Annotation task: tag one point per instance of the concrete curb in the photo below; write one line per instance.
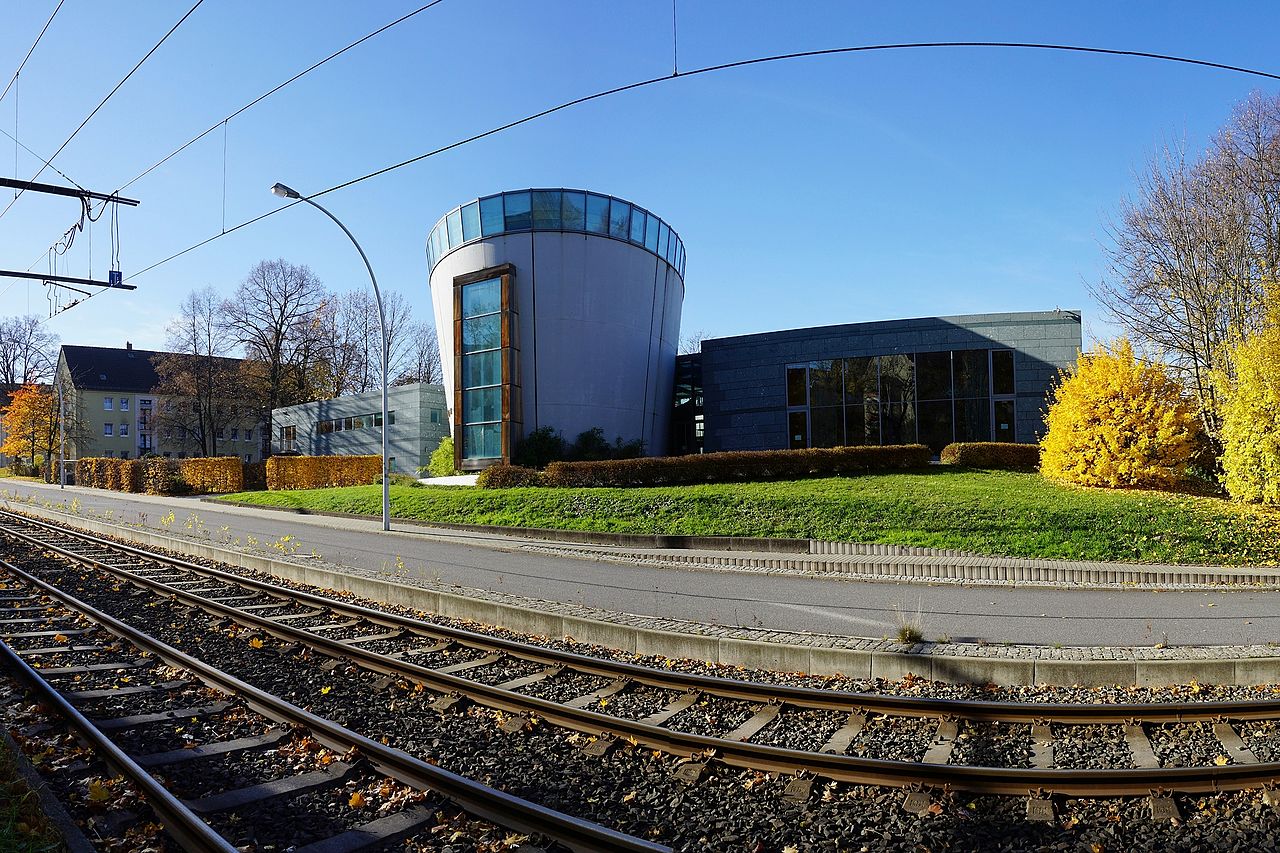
(822, 657)
(73, 838)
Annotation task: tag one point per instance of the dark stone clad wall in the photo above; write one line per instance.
(744, 378)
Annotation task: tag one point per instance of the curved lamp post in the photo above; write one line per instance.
(285, 192)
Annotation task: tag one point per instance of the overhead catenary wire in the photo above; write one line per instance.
(711, 69)
(108, 97)
(223, 122)
(23, 63)
(303, 73)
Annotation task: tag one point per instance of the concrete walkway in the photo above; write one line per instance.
(661, 588)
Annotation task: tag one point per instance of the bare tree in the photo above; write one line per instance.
(1193, 254)
(28, 351)
(198, 378)
(277, 315)
(421, 362)
(692, 342)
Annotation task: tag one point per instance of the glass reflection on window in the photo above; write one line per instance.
(637, 225)
(517, 211)
(546, 209)
(597, 214)
(619, 219)
(573, 212)
(491, 215)
(471, 221)
(1002, 371)
(454, 221)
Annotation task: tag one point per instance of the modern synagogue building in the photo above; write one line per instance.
(556, 308)
(561, 308)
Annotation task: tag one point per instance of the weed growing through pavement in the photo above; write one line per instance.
(910, 626)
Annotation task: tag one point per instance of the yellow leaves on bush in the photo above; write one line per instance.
(120, 475)
(213, 475)
(321, 472)
(1117, 421)
(1251, 419)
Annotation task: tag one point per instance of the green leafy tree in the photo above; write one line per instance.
(441, 462)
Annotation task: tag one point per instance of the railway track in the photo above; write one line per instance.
(614, 702)
(66, 625)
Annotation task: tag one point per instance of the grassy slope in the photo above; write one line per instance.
(23, 826)
(986, 512)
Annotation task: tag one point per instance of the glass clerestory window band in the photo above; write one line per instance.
(933, 398)
(555, 210)
(484, 368)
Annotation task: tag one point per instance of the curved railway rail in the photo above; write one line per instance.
(388, 643)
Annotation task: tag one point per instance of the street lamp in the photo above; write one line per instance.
(285, 192)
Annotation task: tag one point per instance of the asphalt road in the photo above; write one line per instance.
(843, 606)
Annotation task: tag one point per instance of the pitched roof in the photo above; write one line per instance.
(113, 368)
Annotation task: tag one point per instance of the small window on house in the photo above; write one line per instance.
(109, 454)
(108, 429)
(124, 404)
(248, 434)
(167, 454)
(124, 429)
(235, 433)
(435, 416)
(108, 403)
(124, 454)
(182, 456)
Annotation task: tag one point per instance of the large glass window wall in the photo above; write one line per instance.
(555, 210)
(933, 398)
(482, 370)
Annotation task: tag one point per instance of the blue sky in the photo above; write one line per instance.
(827, 190)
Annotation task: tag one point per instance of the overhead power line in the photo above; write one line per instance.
(303, 73)
(710, 69)
(23, 63)
(101, 103)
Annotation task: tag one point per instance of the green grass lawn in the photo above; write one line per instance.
(986, 512)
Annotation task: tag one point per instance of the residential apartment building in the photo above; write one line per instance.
(115, 412)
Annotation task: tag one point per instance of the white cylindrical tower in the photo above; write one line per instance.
(555, 308)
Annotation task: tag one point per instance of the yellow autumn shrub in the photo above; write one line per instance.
(1118, 421)
(1251, 419)
(319, 472)
(213, 475)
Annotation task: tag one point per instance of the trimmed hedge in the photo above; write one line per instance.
(736, 466)
(998, 455)
(508, 477)
(120, 475)
(161, 476)
(321, 472)
(213, 475)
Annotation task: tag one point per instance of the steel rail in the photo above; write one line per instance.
(845, 768)
(488, 803)
(980, 710)
(184, 825)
